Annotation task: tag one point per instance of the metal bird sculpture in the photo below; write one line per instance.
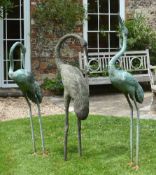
(75, 87)
(30, 88)
(129, 86)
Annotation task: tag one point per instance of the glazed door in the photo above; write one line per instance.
(15, 26)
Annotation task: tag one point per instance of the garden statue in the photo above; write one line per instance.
(30, 88)
(75, 87)
(128, 85)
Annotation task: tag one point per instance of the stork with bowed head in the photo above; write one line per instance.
(29, 87)
(132, 90)
(75, 87)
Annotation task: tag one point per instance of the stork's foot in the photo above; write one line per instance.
(34, 153)
(136, 167)
(65, 157)
(45, 153)
(130, 164)
(80, 154)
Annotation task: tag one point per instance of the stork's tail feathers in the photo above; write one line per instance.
(139, 94)
(60, 42)
(35, 94)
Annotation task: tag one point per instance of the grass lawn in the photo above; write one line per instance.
(105, 143)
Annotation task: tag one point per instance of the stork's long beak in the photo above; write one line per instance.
(86, 51)
(122, 26)
(120, 21)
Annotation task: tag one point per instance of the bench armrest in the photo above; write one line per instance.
(152, 74)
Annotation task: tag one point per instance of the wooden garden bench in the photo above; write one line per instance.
(136, 62)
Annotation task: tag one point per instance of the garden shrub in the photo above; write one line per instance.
(141, 36)
(54, 85)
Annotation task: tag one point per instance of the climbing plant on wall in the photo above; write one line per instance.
(58, 16)
(6, 5)
(54, 18)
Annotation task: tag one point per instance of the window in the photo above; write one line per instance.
(14, 27)
(101, 28)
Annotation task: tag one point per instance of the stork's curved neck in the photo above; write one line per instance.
(120, 53)
(11, 53)
(60, 42)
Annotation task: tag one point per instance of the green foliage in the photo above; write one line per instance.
(53, 19)
(104, 73)
(102, 154)
(58, 16)
(6, 4)
(140, 34)
(53, 84)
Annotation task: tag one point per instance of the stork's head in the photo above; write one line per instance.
(123, 28)
(81, 108)
(82, 42)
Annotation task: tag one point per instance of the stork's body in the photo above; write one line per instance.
(75, 88)
(30, 88)
(129, 86)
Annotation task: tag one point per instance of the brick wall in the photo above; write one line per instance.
(42, 58)
(146, 7)
(43, 63)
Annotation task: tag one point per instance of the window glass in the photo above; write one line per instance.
(114, 6)
(13, 29)
(114, 40)
(103, 6)
(93, 22)
(92, 6)
(15, 12)
(92, 40)
(103, 40)
(114, 24)
(104, 22)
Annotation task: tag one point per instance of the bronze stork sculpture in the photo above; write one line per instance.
(30, 88)
(75, 87)
(129, 86)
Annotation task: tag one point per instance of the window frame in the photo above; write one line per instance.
(85, 23)
(26, 39)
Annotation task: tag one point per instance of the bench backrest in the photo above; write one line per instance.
(130, 61)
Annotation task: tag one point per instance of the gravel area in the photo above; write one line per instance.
(108, 104)
(14, 108)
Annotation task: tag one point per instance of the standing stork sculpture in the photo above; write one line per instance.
(30, 88)
(75, 87)
(129, 86)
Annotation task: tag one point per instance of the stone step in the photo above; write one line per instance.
(10, 92)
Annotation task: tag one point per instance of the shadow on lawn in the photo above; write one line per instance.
(71, 149)
(109, 152)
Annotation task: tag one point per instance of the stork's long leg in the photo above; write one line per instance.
(40, 123)
(31, 124)
(137, 134)
(67, 102)
(79, 136)
(131, 128)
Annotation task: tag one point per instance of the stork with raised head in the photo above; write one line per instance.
(130, 87)
(75, 87)
(29, 87)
